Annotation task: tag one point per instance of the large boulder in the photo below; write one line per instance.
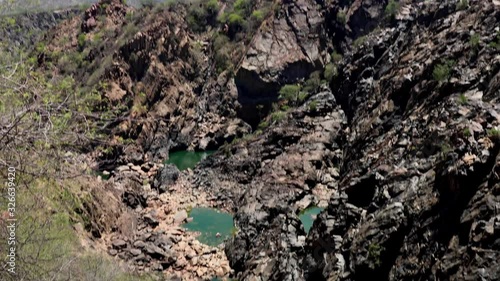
(285, 50)
(165, 177)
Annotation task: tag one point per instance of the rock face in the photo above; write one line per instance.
(405, 154)
(419, 183)
(13, 28)
(147, 59)
(402, 146)
(285, 50)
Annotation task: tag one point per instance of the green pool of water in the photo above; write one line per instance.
(187, 159)
(208, 222)
(308, 216)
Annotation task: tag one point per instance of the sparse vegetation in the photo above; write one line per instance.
(442, 72)
(341, 17)
(374, 256)
(496, 42)
(336, 57)
(81, 41)
(474, 41)
(462, 5)
(462, 99)
(202, 14)
(392, 8)
(290, 93)
(313, 106)
(330, 72)
(277, 116)
(311, 85)
(262, 125)
(467, 132)
(359, 41)
(494, 133)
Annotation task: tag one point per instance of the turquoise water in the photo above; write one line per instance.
(209, 222)
(187, 159)
(308, 216)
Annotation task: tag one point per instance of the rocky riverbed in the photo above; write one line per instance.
(151, 236)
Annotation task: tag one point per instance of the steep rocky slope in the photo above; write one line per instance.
(401, 146)
(418, 193)
(407, 143)
(24, 30)
(156, 77)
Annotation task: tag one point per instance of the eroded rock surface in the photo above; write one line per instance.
(401, 147)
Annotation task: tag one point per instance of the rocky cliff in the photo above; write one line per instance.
(22, 31)
(399, 143)
(403, 146)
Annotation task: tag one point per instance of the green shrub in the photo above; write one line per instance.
(10, 21)
(277, 116)
(129, 16)
(258, 15)
(336, 57)
(442, 72)
(496, 42)
(359, 41)
(236, 20)
(289, 92)
(445, 149)
(234, 231)
(222, 60)
(201, 16)
(81, 41)
(40, 47)
(243, 7)
(313, 105)
(330, 72)
(462, 5)
(467, 132)
(302, 97)
(212, 7)
(374, 255)
(462, 99)
(341, 17)
(392, 8)
(147, 3)
(262, 125)
(313, 83)
(494, 133)
(67, 65)
(474, 41)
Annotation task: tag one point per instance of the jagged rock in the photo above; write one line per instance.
(285, 50)
(151, 220)
(119, 244)
(180, 216)
(166, 177)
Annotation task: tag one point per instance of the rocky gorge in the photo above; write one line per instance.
(393, 129)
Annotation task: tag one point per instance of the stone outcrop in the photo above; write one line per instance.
(409, 156)
(25, 30)
(285, 50)
(421, 156)
(401, 147)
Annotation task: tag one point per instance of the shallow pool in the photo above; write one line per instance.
(308, 216)
(208, 222)
(187, 159)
